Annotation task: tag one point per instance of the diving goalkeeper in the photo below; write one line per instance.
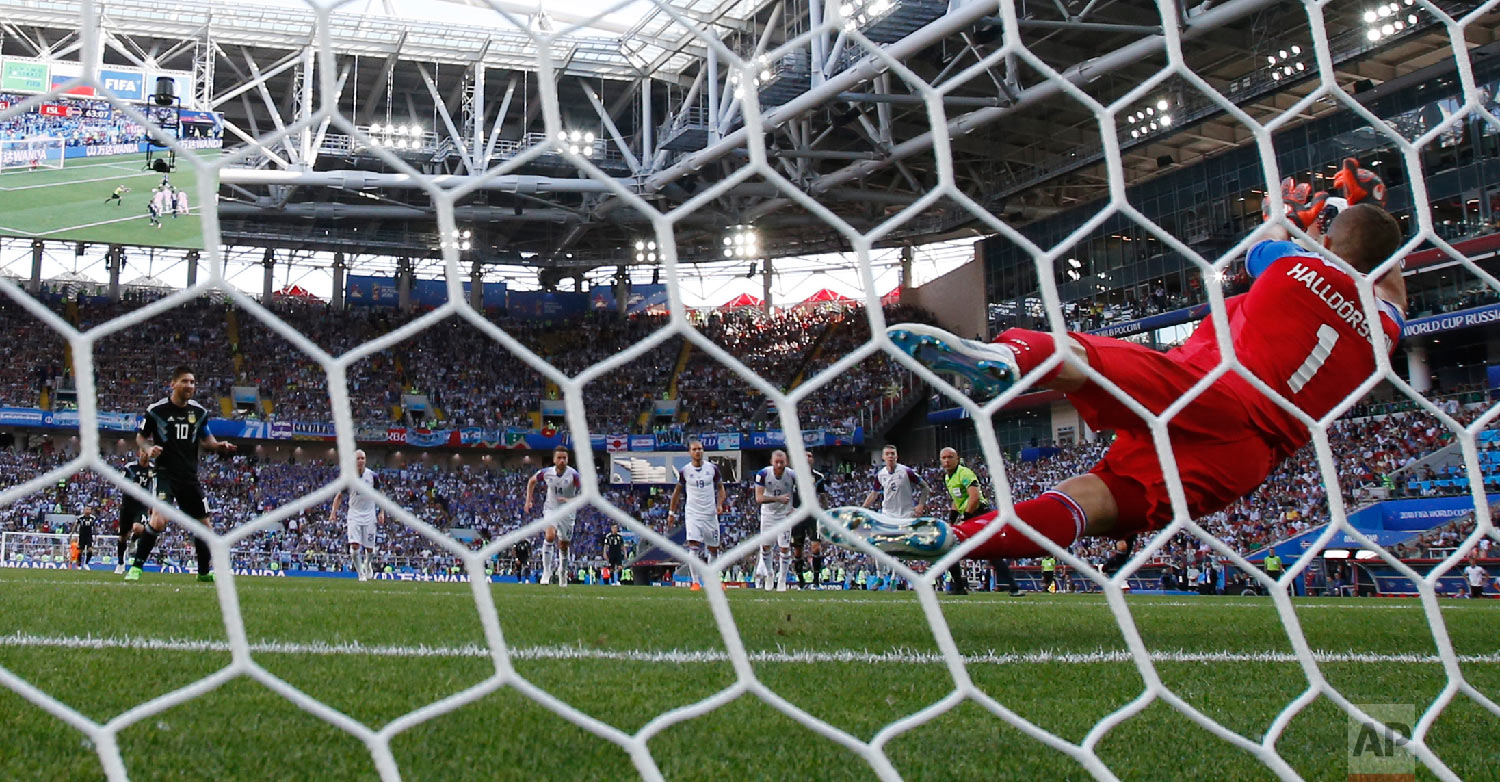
(1300, 329)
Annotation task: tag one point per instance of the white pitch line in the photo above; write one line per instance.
(741, 596)
(75, 182)
(101, 222)
(677, 656)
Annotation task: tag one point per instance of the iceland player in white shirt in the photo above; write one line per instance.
(775, 487)
(362, 518)
(703, 485)
(563, 483)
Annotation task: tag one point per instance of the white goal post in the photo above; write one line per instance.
(28, 154)
(49, 549)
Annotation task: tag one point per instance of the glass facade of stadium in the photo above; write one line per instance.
(1120, 273)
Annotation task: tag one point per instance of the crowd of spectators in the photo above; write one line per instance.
(1440, 541)
(477, 505)
(91, 122)
(1424, 303)
(470, 506)
(32, 354)
(871, 389)
(714, 396)
(789, 349)
(131, 365)
(468, 378)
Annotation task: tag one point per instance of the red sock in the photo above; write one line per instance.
(1054, 515)
(1031, 349)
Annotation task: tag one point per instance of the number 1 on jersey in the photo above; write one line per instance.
(1328, 336)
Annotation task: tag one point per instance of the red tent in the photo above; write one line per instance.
(297, 292)
(894, 297)
(826, 296)
(740, 302)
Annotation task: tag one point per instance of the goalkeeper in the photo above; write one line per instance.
(115, 198)
(1301, 330)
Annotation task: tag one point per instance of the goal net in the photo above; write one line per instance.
(860, 56)
(50, 550)
(30, 154)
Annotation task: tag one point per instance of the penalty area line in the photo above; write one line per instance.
(682, 656)
(68, 182)
(103, 222)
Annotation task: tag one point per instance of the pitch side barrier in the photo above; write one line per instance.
(461, 437)
(1388, 582)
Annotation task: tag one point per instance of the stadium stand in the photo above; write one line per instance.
(468, 377)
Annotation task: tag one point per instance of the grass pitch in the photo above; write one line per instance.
(624, 655)
(69, 203)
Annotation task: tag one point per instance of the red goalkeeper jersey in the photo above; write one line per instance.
(1303, 331)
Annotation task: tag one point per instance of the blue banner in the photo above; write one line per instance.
(672, 440)
(1452, 321)
(642, 298)
(368, 291)
(304, 430)
(423, 438)
(1389, 581)
(1387, 523)
(20, 416)
(1153, 322)
(544, 305)
(399, 574)
(720, 441)
(429, 293)
(774, 439)
(203, 118)
(1432, 324)
(666, 439)
(243, 430)
(124, 84)
(105, 150)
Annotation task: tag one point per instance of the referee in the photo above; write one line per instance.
(968, 502)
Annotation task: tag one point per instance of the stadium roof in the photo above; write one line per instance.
(849, 134)
(621, 40)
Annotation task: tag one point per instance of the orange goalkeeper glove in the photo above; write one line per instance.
(1357, 184)
(1303, 207)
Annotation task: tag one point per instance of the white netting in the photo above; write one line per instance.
(27, 154)
(869, 62)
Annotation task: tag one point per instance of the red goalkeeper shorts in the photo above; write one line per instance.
(1220, 455)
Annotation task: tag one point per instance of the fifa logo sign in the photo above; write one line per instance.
(1379, 752)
